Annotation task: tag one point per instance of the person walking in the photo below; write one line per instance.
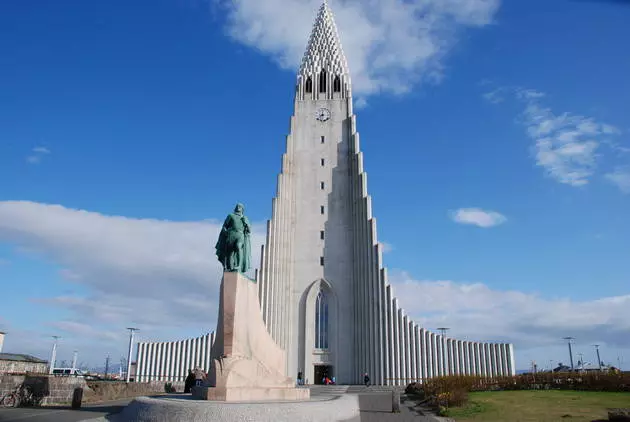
(366, 379)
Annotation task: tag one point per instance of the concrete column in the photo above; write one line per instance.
(478, 359)
(497, 352)
(396, 342)
(384, 327)
(466, 358)
(139, 362)
(401, 347)
(150, 356)
(429, 354)
(449, 355)
(405, 341)
(175, 361)
(434, 356)
(413, 375)
(493, 361)
(185, 356)
(208, 352)
(202, 352)
(392, 336)
(456, 370)
(168, 373)
(198, 358)
(482, 360)
(505, 360)
(375, 357)
(423, 353)
(471, 356)
(440, 355)
(418, 352)
(511, 365)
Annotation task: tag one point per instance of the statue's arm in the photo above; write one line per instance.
(246, 227)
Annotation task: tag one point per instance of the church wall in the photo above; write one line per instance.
(170, 361)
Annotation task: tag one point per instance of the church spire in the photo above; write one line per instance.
(324, 69)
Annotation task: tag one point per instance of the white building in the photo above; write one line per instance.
(323, 290)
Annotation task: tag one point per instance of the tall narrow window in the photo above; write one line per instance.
(321, 261)
(321, 209)
(321, 185)
(321, 235)
(337, 84)
(321, 321)
(323, 139)
(309, 84)
(323, 162)
(322, 81)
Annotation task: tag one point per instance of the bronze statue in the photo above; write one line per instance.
(233, 247)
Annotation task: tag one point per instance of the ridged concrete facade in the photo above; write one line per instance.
(170, 361)
(322, 248)
(322, 236)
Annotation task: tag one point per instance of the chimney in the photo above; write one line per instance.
(2, 333)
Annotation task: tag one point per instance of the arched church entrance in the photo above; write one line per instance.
(320, 332)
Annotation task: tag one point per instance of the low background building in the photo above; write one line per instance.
(11, 363)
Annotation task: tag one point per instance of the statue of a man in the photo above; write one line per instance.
(233, 246)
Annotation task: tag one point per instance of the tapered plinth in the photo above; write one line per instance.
(247, 364)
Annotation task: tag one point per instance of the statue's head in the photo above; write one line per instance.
(239, 208)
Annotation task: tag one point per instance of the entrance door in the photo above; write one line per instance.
(321, 372)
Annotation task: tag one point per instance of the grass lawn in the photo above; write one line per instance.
(539, 406)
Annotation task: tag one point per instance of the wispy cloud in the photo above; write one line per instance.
(386, 247)
(391, 45)
(477, 217)
(37, 154)
(621, 178)
(566, 145)
(478, 312)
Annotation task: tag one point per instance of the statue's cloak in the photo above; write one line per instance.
(234, 228)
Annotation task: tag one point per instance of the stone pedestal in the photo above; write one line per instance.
(247, 364)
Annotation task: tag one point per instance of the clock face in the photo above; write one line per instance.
(322, 114)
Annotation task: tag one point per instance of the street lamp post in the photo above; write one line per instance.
(53, 355)
(445, 365)
(569, 339)
(131, 331)
(599, 360)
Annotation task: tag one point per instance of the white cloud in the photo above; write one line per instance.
(496, 96)
(477, 312)
(565, 145)
(621, 178)
(386, 247)
(37, 155)
(41, 150)
(478, 217)
(160, 275)
(390, 44)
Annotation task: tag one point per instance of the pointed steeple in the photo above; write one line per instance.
(324, 55)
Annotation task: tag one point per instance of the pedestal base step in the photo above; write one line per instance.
(249, 394)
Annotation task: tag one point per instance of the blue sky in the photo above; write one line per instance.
(117, 118)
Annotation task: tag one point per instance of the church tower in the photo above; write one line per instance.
(307, 272)
(323, 290)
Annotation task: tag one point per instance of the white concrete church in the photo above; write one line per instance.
(323, 290)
